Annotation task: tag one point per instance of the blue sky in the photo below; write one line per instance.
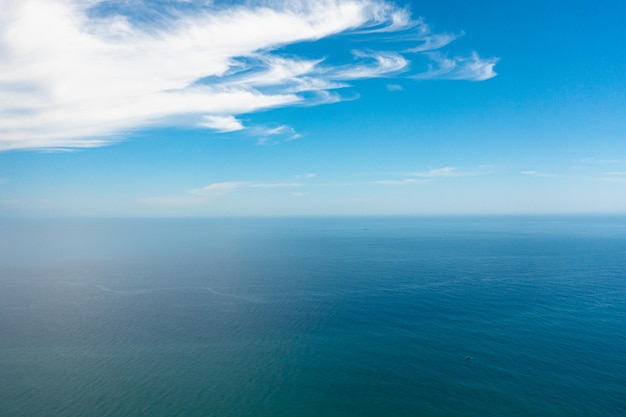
(362, 107)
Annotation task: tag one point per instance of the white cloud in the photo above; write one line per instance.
(271, 135)
(440, 172)
(221, 123)
(450, 172)
(615, 176)
(171, 201)
(73, 76)
(275, 185)
(399, 182)
(437, 172)
(599, 161)
(421, 177)
(471, 68)
(3, 180)
(394, 87)
(621, 180)
(374, 65)
(532, 173)
(433, 42)
(219, 188)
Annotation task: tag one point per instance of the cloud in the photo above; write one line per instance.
(615, 176)
(308, 176)
(220, 188)
(614, 179)
(422, 177)
(399, 182)
(394, 87)
(437, 172)
(275, 185)
(221, 123)
(170, 201)
(373, 65)
(446, 172)
(272, 135)
(85, 73)
(532, 173)
(3, 180)
(433, 42)
(599, 161)
(471, 68)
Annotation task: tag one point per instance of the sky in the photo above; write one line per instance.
(172, 108)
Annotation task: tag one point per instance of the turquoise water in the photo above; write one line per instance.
(313, 317)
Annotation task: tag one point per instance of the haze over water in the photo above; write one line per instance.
(504, 316)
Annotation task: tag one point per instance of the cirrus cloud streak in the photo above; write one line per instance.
(73, 76)
(220, 188)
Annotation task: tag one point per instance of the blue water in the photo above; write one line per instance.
(313, 317)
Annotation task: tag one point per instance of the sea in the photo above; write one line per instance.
(313, 317)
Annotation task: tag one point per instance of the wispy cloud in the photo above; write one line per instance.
(221, 123)
(472, 68)
(3, 180)
(308, 176)
(171, 201)
(220, 188)
(84, 73)
(431, 42)
(621, 180)
(272, 135)
(614, 176)
(599, 161)
(532, 173)
(437, 172)
(275, 185)
(373, 65)
(446, 172)
(405, 181)
(422, 177)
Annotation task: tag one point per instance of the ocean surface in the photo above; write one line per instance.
(380, 317)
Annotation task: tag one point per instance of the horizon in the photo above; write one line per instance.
(436, 216)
